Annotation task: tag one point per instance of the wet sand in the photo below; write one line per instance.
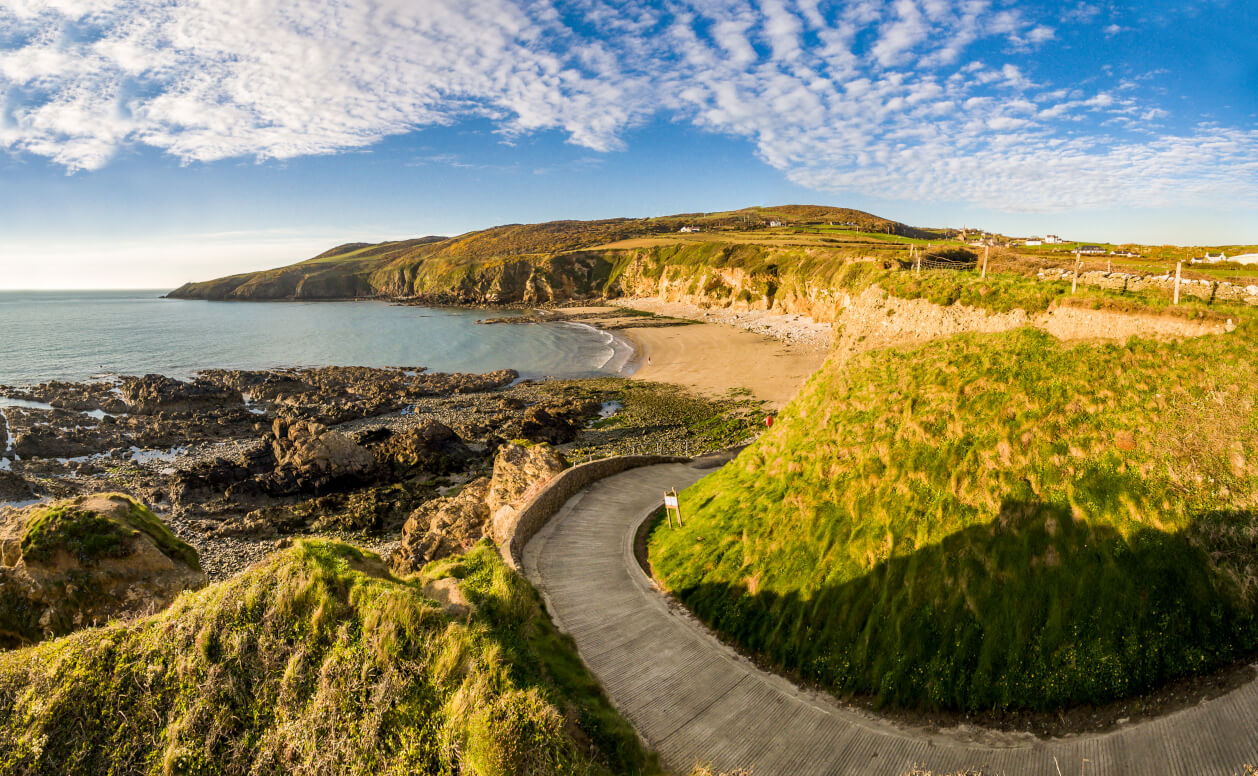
(714, 359)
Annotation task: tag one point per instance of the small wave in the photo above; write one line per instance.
(615, 349)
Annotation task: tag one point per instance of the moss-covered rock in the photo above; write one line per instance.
(86, 560)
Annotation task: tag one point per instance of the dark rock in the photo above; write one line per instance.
(373, 436)
(556, 423)
(431, 447)
(14, 488)
(207, 479)
(151, 394)
(46, 441)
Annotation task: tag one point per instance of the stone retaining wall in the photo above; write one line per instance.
(538, 511)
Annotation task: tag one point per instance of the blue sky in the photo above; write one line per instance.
(149, 142)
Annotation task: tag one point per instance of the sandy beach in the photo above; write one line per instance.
(715, 358)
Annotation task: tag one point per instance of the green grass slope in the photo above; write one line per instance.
(991, 521)
(317, 661)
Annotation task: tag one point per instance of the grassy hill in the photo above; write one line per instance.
(318, 661)
(502, 260)
(991, 521)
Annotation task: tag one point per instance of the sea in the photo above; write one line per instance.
(82, 335)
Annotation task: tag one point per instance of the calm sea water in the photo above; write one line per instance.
(75, 335)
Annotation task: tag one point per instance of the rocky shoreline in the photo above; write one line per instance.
(238, 462)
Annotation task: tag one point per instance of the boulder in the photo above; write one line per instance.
(207, 479)
(487, 506)
(265, 523)
(313, 451)
(14, 488)
(520, 472)
(556, 424)
(84, 561)
(444, 526)
(431, 447)
(49, 441)
(151, 394)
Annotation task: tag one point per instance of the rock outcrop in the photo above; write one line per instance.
(313, 451)
(443, 526)
(487, 506)
(14, 488)
(83, 561)
(337, 394)
(151, 394)
(520, 471)
(431, 447)
(556, 423)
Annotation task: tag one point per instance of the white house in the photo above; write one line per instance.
(688, 229)
(775, 223)
(1034, 241)
(1090, 250)
(1053, 239)
(1213, 257)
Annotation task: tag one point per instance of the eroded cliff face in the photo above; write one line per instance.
(533, 280)
(710, 274)
(766, 286)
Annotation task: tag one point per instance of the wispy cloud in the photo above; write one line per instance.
(889, 99)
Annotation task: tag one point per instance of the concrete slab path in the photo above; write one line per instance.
(695, 700)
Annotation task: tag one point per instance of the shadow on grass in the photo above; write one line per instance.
(1032, 611)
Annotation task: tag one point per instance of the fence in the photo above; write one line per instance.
(1177, 282)
(928, 259)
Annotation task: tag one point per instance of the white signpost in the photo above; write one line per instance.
(671, 504)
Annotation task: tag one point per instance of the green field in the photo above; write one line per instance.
(991, 522)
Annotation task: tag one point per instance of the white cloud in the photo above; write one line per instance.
(1040, 34)
(881, 98)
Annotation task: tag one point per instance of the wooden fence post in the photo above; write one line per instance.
(1074, 282)
(987, 250)
(1179, 266)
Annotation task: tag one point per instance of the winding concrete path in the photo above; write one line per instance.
(696, 701)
